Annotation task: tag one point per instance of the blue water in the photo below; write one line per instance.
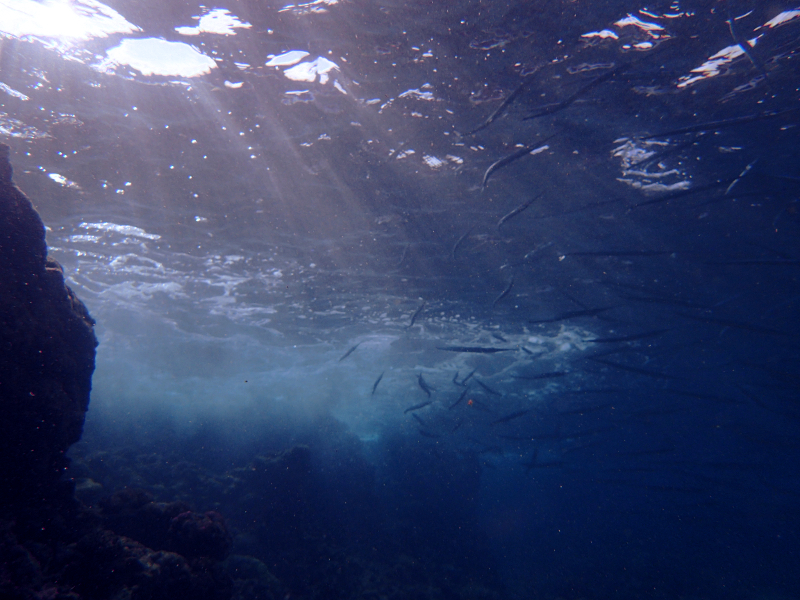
(281, 183)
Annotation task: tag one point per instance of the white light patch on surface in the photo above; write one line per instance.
(636, 22)
(633, 155)
(92, 239)
(12, 92)
(601, 34)
(432, 161)
(287, 59)
(17, 129)
(645, 174)
(308, 71)
(677, 15)
(784, 17)
(712, 67)
(61, 180)
(152, 56)
(657, 188)
(123, 229)
(218, 20)
(419, 94)
(77, 20)
(317, 6)
(129, 290)
(630, 153)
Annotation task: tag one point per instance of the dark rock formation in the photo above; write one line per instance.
(50, 545)
(105, 565)
(194, 535)
(168, 526)
(47, 350)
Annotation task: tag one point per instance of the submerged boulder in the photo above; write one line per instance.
(47, 353)
(169, 526)
(105, 565)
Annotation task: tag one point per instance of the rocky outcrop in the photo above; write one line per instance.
(105, 565)
(50, 545)
(170, 526)
(47, 352)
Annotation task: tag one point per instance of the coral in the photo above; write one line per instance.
(252, 579)
(195, 535)
(167, 526)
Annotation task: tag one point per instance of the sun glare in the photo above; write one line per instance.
(64, 20)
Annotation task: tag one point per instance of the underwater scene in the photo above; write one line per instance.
(399, 299)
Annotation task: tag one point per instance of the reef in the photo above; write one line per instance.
(316, 519)
(51, 544)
